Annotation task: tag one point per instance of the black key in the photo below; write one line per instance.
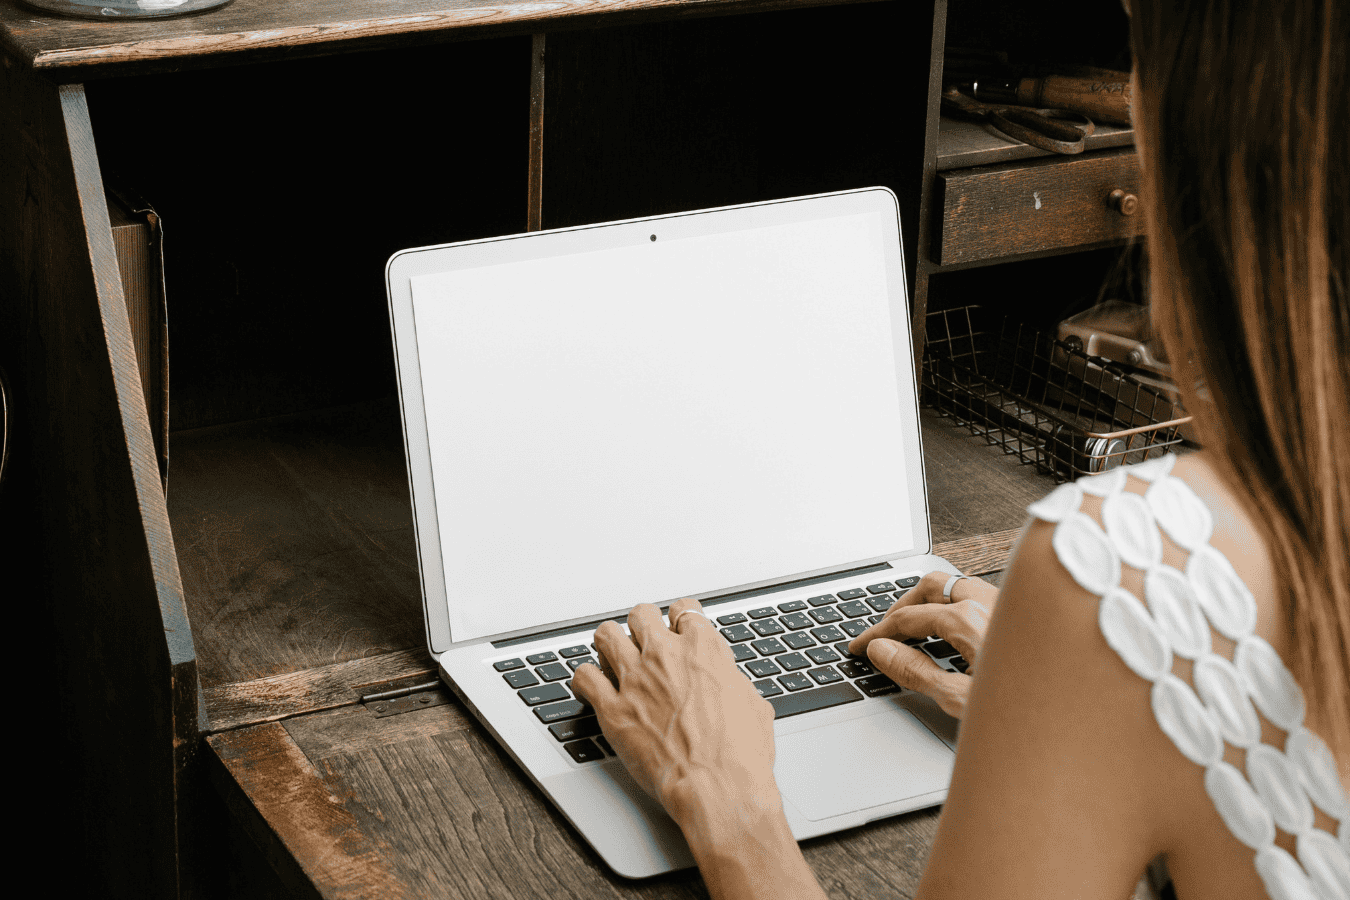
(821, 698)
(960, 665)
(856, 668)
(767, 627)
(521, 679)
(796, 621)
(762, 668)
(737, 633)
(768, 688)
(939, 649)
(742, 653)
(822, 655)
(852, 594)
(768, 646)
(877, 685)
(854, 628)
(578, 650)
(822, 600)
(825, 675)
(828, 634)
(731, 619)
(853, 609)
(553, 671)
(872, 620)
(842, 650)
(826, 614)
(574, 729)
(575, 664)
(792, 606)
(762, 612)
(794, 682)
(545, 693)
(798, 640)
(793, 661)
(914, 642)
(907, 582)
(884, 588)
(584, 751)
(507, 665)
(604, 745)
(882, 603)
(540, 658)
(556, 712)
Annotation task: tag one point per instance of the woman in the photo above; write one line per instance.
(1169, 729)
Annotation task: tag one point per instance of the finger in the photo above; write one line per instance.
(616, 648)
(591, 685)
(645, 624)
(912, 669)
(928, 590)
(960, 624)
(690, 621)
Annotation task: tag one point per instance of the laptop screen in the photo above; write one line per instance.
(673, 416)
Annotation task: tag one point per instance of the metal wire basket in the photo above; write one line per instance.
(1054, 407)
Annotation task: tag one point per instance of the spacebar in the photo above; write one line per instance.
(820, 698)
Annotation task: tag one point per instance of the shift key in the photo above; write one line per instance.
(809, 701)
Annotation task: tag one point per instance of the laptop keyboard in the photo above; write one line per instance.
(795, 653)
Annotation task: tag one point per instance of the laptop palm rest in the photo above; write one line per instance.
(904, 759)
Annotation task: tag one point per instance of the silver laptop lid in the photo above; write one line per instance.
(638, 411)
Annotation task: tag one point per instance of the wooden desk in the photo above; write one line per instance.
(264, 125)
(426, 804)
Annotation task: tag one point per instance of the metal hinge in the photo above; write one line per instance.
(405, 698)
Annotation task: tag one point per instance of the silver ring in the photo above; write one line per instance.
(675, 622)
(947, 588)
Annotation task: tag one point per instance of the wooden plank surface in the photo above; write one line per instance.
(296, 542)
(249, 30)
(314, 841)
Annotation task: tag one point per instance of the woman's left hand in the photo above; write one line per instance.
(691, 728)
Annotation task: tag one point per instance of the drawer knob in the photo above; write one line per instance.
(1122, 202)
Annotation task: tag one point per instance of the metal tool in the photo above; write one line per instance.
(1043, 128)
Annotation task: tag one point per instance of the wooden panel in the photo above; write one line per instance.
(314, 842)
(85, 504)
(252, 30)
(322, 687)
(1028, 207)
(296, 542)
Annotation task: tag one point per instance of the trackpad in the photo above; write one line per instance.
(861, 763)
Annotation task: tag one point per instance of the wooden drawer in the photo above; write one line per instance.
(1035, 205)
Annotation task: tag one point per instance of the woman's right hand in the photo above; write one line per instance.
(961, 620)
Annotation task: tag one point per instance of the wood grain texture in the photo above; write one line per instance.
(296, 542)
(974, 488)
(1026, 207)
(459, 819)
(314, 842)
(279, 697)
(117, 639)
(983, 554)
(534, 214)
(252, 30)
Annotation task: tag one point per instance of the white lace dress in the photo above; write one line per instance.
(1220, 705)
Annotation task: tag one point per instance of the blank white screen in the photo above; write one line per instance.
(653, 421)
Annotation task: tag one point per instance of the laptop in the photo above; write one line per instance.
(717, 404)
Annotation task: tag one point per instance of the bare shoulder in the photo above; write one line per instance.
(1061, 737)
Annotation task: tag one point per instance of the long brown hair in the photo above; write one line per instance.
(1241, 113)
